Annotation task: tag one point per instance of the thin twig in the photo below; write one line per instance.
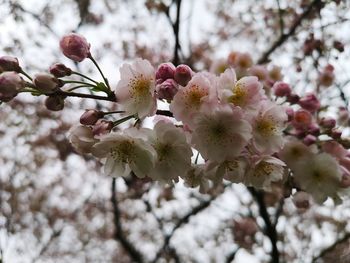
(332, 247)
(118, 233)
(203, 205)
(270, 228)
(284, 37)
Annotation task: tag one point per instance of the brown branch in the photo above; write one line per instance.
(118, 233)
(35, 16)
(284, 37)
(332, 247)
(202, 206)
(270, 228)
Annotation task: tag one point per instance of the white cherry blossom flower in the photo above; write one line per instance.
(245, 93)
(220, 133)
(135, 90)
(126, 152)
(173, 152)
(319, 175)
(263, 170)
(188, 100)
(82, 138)
(268, 128)
(197, 176)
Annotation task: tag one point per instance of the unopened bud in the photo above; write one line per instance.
(244, 60)
(328, 123)
(90, 117)
(167, 89)
(302, 119)
(10, 84)
(75, 47)
(338, 46)
(290, 113)
(310, 103)
(313, 129)
(293, 98)
(54, 103)
(46, 83)
(309, 139)
(345, 181)
(183, 74)
(281, 89)
(8, 63)
(102, 127)
(275, 73)
(59, 70)
(301, 200)
(165, 71)
(336, 134)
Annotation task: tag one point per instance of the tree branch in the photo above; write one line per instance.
(270, 228)
(284, 37)
(118, 233)
(332, 247)
(203, 205)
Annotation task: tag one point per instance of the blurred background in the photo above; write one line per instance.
(58, 206)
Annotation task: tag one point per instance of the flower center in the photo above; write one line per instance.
(123, 151)
(194, 96)
(263, 169)
(163, 150)
(239, 95)
(140, 86)
(266, 127)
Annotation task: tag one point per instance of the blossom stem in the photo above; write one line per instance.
(84, 76)
(123, 120)
(112, 112)
(25, 74)
(99, 69)
(79, 82)
(77, 87)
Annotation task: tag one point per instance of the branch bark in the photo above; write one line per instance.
(118, 233)
(284, 37)
(270, 228)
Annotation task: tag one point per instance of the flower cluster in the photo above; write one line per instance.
(240, 123)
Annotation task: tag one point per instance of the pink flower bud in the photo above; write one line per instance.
(313, 129)
(326, 78)
(302, 119)
(275, 73)
(167, 89)
(165, 71)
(10, 84)
(310, 103)
(75, 47)
(309, 139)
(183, 74)
(282, 89)
(328, 123)
(336, 134)
(46, 83)
(244, 60)
(90, 117)
(345, 181)
(54, 103)
(290, 113)
(8, 63)
(102, 127)
(301, 200)
(59, 70)
(293, 98)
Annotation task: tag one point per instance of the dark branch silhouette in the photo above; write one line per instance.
(284, 37)
(118, 233)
